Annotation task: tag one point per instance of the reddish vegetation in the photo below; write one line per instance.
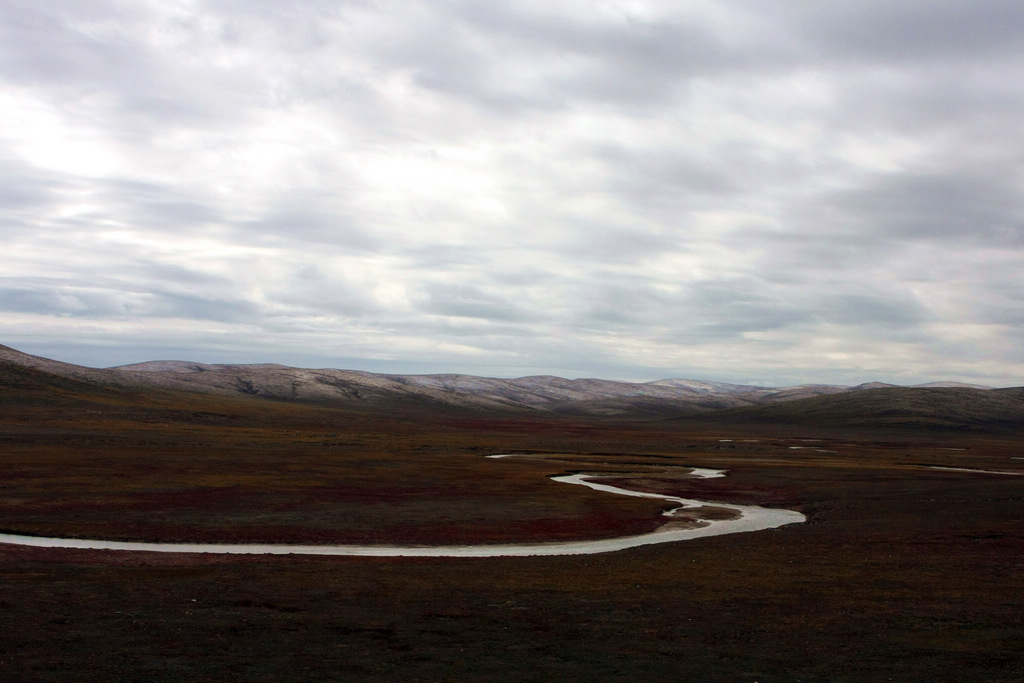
(900, 573)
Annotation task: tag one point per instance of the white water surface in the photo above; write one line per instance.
(967, 469)
(750, 518)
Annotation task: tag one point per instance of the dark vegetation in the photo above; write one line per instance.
(948, 409)
(901, 572)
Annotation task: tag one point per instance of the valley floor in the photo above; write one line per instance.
(901, 572)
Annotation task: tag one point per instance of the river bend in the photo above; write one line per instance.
(747, 518)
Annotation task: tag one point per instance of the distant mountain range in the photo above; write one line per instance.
(548, 394)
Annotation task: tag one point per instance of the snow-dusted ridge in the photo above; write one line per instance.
(543, 393)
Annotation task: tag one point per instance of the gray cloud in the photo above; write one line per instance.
(948, 206)
(894, 33)
(812, 191)
(97, 303)
(94, 60)
(466, 301)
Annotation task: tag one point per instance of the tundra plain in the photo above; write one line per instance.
(901, 571)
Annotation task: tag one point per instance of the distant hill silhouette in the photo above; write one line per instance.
(939, 405)
(931, 408)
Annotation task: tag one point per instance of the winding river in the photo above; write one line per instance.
(745, 518)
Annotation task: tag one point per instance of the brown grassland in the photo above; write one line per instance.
(900, 573)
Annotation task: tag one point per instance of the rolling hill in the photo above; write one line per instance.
(936, 405)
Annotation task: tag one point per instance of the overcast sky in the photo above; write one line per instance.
(772, 193)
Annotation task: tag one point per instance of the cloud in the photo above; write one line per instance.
(813, 191)
(916, 31)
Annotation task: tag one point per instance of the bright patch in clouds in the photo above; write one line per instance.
(801, 192)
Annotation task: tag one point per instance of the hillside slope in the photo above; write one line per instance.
(949, 405)
(944, 408)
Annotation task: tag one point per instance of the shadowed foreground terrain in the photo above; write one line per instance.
(901, 572)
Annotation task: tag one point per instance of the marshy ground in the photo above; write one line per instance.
(900, 573)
